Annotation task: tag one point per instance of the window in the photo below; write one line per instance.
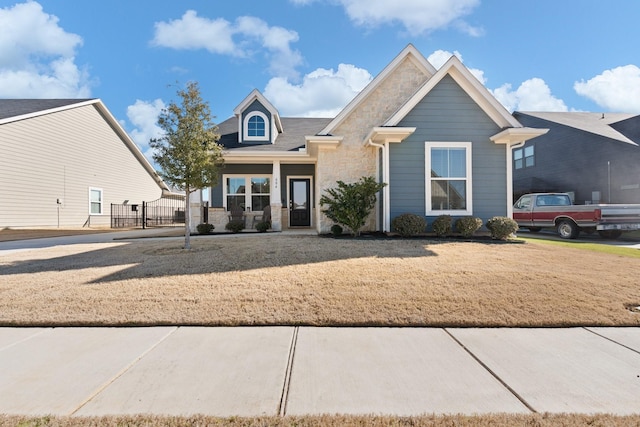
(256, 127)
(95, 201)
(448, 181)
(524, 157)
(254, 196)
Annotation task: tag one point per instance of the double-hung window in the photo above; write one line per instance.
(249, 192)
(524, 157)
(448, 178)
(95, 201)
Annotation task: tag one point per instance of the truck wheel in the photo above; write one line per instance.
(568, 229)
(610, 234)
(535, 229)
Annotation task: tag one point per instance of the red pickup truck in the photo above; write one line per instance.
(554, 210)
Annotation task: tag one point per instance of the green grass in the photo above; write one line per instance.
(594, 247)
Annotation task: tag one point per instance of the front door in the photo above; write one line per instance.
(300, 202)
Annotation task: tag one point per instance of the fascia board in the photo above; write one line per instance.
(469, 84)
(48, 111)
(115, 125)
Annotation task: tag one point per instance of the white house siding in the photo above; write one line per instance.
(60, 156)
(352, 160)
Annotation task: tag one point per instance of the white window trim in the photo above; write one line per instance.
(247, 194)
(469, 179)
(245, 127)
(101, 200)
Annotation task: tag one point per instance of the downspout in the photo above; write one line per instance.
(510, 148)
(386, 211)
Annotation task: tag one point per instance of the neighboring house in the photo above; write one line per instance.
(64, 161)
(594, 156)
(439, 139)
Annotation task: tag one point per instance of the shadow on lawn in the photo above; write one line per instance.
(154, 258)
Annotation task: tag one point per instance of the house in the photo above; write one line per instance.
(593, 156)
(64, 161)
(438, 138)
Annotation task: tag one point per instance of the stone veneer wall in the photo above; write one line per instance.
(352, 160)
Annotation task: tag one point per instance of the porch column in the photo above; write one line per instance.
(276, 197)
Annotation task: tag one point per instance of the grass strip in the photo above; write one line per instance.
(594, 247)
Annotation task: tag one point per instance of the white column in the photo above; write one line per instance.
(276, 197)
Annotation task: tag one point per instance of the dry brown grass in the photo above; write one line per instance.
(498, 420)
(278, 279)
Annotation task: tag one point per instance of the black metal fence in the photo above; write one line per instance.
(157, 213)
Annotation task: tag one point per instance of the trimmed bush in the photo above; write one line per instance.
(336, 230)
(408, 224)
(442, 225)
(501, 227)
(468, 225)
(205, 228)
(235, 226)
(263, 226)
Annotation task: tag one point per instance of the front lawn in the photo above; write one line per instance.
(279, 279)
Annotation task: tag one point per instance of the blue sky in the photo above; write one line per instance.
(310, 57)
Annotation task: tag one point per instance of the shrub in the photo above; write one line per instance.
(468, 225)
(409, 224)
(263, 226)
(205, 228)
(442, 225)
(350, 204)
(235, 226)
(501, 227)
(336, 230)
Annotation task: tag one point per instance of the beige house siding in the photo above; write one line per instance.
(352, 160)
(60, 156)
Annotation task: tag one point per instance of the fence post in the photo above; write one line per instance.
(144, 214)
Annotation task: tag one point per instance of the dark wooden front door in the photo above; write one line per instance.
(300, 202)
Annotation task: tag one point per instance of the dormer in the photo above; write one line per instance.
(258, 120)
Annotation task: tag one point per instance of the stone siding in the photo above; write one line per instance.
(352, 160)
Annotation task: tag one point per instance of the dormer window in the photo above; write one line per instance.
(256, 127)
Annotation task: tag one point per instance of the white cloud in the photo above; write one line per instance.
(144, 116)
(617, 89)
(322, 93)
(239, 39)
(37, 57)
(440, 57)
(417, 16)
(531, 95)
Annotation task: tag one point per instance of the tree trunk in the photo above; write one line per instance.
(187, 220)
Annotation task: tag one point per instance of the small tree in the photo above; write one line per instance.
(350, 204)
(188, 153)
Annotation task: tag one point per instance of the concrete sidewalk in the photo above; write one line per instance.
(290, 371)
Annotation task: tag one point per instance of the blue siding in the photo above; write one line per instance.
(447, 113)
(256, 106)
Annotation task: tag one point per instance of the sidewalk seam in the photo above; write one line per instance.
(284, 397)
(121, 372)
(488, 369)
(30, 337)
(611, 340)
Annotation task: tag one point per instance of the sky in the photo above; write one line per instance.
(311, 57)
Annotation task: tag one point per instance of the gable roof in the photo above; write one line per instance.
(468, 82)
(12, 110)
(257, 95)
(409, 52)
(596, 123)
